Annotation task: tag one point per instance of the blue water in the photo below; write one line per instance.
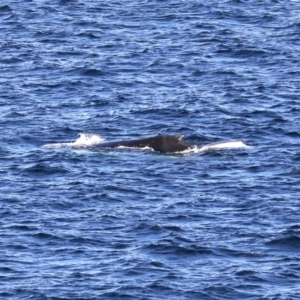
(129, 224)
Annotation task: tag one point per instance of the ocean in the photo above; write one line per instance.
(132, 223)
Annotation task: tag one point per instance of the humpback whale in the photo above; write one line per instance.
(160, 143)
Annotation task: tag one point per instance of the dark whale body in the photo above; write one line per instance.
(160, 143)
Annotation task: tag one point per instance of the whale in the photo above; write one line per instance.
(159, 143)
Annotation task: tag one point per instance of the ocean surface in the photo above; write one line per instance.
(135, 224)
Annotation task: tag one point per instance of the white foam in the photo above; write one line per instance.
(84, 140)
(146, 148)
(225, 145)
(217, 146)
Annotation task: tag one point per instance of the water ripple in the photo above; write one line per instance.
(118, 224)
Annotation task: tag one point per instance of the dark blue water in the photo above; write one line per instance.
(128, 224)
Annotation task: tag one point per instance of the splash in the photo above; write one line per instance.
(225, 145)
(218, 146)
(84, 140)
